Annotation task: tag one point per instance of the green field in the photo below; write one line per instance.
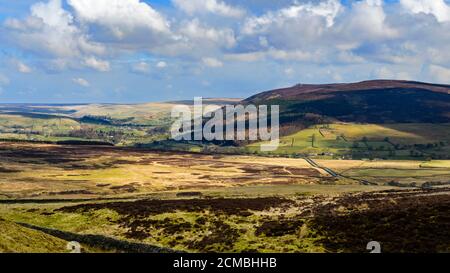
(371, 141)
(18, 239)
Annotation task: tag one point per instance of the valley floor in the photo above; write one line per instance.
(224, 203)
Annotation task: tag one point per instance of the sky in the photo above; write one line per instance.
(135, 51)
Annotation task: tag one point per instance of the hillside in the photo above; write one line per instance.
(378, 101)
(17, 239)
(371, 119)
(120, 124)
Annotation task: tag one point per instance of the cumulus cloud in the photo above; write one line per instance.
(438, 8)
(80, 34)
(298, 30)
(296, 15)
(81, 82)
(50, 30)
(209, 6)
(367, 22)
(99, 65)
(327, 32)
(212, 62)
(196, 39)
(122, 18)
(198, 34)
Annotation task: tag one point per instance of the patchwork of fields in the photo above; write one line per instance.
(368, 141)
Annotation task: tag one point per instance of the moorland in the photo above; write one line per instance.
(357, 163)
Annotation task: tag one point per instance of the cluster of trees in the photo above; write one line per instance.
(88, 132)
(421, 146)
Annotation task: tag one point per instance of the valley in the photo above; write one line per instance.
(350, 169)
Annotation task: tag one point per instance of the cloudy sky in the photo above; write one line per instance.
(67, 51)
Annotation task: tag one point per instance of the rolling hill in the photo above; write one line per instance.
(378, 101)
(370, 119)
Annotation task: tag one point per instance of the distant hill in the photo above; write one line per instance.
(377, 101)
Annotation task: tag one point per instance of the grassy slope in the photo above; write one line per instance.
(18, 239)
(341, 138)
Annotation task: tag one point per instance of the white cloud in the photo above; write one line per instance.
(212, 62)
(50, 30)
(319, 32)
(198, 34)
(208, 6)
(327, 9)
(439, 73)
(304, 28)
(297, 33)
(123, 18)
(296, 15)
(81, 82)
(438, 8)
(366, 22)
(196, 39)
(141, 67)
(22, 67)
(99, 65)
(161, 64)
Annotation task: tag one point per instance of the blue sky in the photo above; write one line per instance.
(68, 51)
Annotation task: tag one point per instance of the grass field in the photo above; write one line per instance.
(15, 238)
(359, 141)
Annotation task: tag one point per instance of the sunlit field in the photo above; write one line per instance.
(204, 203)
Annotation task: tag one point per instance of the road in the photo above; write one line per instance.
(334, 174)
(328, 170)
